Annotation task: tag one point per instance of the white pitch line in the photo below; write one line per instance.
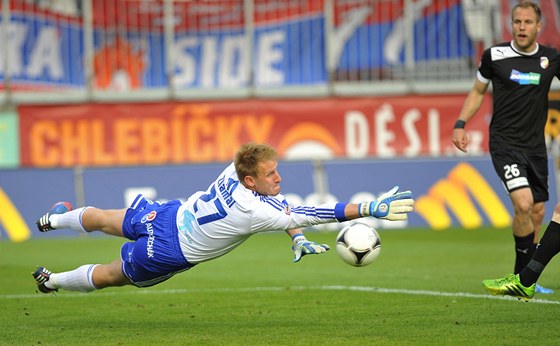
(289, 288)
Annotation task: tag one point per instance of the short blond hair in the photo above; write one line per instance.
(528, 4)
(249, 156)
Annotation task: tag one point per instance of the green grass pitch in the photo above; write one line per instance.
(424, 289)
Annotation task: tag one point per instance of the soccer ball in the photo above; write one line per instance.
(60, 208)
(358, 244)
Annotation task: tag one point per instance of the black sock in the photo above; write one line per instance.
(548, 247)
(523, 249)
(533, 249)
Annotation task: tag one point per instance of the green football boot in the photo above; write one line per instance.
(509, 286)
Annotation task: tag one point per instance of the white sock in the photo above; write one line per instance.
(79, 279)
(71, 220)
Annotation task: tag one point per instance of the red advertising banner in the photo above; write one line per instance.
(180, 132)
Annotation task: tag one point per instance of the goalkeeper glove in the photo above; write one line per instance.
(390, 205)
(302, 247)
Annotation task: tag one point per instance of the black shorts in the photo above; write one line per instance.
(520, 169)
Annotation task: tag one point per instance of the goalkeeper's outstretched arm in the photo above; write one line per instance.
(392, 205)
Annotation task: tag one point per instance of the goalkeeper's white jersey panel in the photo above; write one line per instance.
(216, 221)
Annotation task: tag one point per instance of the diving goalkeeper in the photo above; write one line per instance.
(168, 238)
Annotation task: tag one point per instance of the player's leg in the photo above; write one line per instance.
(524, 285)
(522, 201)
(537, 176)
(556, 213)
(85, 278)
(85, 219)
(108, 221)
(522, 226)
(538, 179)
(110, 275)
(549, 246)
(537, 217)
(513, 169)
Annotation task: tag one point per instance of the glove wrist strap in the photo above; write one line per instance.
(299, 237)
(364, 209)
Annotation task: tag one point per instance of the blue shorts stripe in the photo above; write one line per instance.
(139, 199)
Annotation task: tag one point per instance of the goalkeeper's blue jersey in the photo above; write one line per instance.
(216, 221)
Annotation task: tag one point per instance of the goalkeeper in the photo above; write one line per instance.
(175, 236)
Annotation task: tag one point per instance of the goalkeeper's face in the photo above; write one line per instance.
(267, 181)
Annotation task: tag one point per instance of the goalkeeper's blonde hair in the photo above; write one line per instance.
(249, 156)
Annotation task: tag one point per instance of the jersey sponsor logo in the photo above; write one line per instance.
(525, 78)
(149, 217)
(544, 62)
(151, 240)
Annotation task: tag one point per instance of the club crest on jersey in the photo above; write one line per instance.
(544, 62)
(149, 217)
(287, 209)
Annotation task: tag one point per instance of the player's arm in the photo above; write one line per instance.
(392, 205)
(470, 107)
